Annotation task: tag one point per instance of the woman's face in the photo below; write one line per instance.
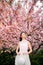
(24, 35)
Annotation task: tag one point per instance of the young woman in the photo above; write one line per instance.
(22, 57)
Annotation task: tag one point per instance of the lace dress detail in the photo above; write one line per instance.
(23, 59)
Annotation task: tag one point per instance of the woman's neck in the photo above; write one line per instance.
(23, 39)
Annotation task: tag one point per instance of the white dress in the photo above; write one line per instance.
(23, 59)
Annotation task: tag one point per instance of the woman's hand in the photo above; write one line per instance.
(19, 53)
(25, 53)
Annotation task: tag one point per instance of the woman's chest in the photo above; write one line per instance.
(24, 45)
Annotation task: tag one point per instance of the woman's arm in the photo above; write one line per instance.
(18, 46)
(30, 48)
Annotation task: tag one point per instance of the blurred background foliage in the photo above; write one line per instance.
(7, 58)
(21, 18)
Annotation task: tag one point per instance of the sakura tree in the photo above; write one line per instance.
(21, 15)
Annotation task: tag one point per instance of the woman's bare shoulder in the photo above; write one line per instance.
(19, 42)
(28, 42)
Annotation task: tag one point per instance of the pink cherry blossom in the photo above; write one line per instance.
(15, 18)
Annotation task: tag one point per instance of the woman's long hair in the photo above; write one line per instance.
(21, 35)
